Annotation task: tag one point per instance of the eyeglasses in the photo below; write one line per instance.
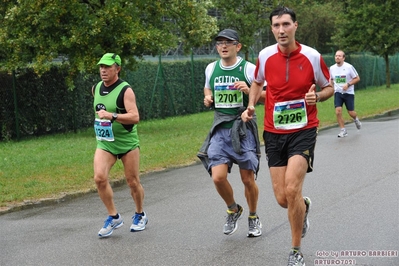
(227, 43)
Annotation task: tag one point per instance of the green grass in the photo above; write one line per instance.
(50, 166)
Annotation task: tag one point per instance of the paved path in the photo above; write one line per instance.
(354, 190)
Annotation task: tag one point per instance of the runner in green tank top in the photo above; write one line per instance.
(227, 98)
(115, 138)
(226, 89)
(115, 125)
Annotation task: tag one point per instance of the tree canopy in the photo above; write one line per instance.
(317, 24)
(372, 26)
(251, 19)
(78, 33)
(248, 18)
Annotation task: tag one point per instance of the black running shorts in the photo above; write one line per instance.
(280, 147)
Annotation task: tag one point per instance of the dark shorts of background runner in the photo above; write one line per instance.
(280, 147)
(344, 98)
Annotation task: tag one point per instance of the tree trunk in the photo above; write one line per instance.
(387, 72)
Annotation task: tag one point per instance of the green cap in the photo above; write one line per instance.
(109, 59)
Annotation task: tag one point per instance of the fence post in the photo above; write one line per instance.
(15, 105)
(252, 55)
(193, 100)
(161, 76)
(159, 70)
(75, 111)
(365, 71)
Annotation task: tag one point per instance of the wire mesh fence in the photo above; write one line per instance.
(164, 86)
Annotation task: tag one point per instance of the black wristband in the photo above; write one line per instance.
(114, 117)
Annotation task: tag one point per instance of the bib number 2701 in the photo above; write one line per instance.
(227, 96)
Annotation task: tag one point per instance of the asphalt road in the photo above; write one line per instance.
(355, 214)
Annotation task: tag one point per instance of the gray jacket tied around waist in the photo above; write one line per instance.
(238, 131)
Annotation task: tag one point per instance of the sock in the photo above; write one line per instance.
(140, 213)
(115, 216)
(252, 215)
(296, 249)
(307, 206)
(233, 207)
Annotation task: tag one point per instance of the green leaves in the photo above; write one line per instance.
(35, 33)
(371, 27)
(249, 18)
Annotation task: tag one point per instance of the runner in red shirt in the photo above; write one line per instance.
(291, 71)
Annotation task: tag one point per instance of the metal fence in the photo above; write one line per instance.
(164, 86)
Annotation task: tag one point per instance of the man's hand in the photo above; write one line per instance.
(208, 100)
(248, 114)
(310, 96)
(242, 86)
(102, 114)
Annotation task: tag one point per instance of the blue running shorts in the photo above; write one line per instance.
(221, 151)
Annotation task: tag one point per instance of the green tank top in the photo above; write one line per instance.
(114, 137)
(226, 98)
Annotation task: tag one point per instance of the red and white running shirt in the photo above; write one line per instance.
(289, 78)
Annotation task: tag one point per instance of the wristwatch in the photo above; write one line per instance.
(114, 117)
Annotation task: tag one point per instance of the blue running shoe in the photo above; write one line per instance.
(109, 225)
(139, 222)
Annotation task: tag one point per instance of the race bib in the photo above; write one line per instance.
(290, 115)
(103, 130)
(340, 79)
(226, 96)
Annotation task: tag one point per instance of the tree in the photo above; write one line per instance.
(248, 18)
(371, 26)
(316, 23)
(251, 19)
(79, 32)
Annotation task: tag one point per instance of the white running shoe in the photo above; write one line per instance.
(343, 133)
(296, 258)
(255, 227)
(231, 221)
(358, 124)
(306, 224)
